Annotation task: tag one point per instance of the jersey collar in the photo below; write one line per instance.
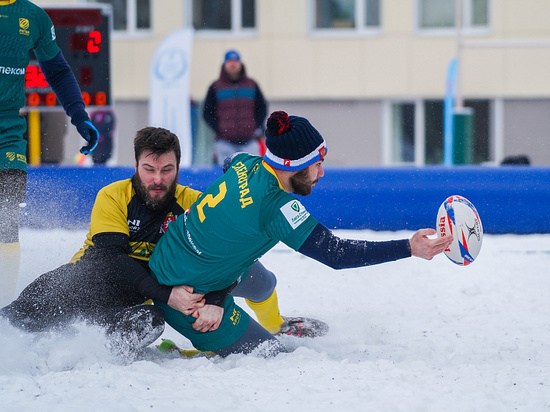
(270, 170)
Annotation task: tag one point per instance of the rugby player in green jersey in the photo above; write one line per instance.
(25, 27)
(245, 213)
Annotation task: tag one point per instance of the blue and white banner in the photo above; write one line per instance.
(170, 97)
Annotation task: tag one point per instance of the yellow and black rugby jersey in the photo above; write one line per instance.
(117, 209)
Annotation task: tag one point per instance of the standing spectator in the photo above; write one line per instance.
(27, 27)
(236, 109)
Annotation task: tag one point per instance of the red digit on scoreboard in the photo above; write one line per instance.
(86, 97)
(34, 77)
(100, 99)
(30, 75)
(33, 100)
(40, 79)
(94, 41)
(51, 99)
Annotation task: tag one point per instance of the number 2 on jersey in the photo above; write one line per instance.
(211, 201)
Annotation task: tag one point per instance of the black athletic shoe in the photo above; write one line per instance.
(136, 328)
(302, 327)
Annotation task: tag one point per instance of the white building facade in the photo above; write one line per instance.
(369, 74)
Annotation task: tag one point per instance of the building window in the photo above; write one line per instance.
(346, 14)
(440, 14)
(416, 132)
(226, 15)
(403, 132)
(129, 16)
(433, 124)
(433, 119)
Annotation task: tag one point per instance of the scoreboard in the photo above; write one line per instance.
(83, 35)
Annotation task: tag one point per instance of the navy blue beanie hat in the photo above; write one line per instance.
(292, 142)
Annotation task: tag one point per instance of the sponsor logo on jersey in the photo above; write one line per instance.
(295, 213)
(235, 317)
(11, 156)
(53, 33)
(189, 237)
(18, 71)
(24, 26)
(133, 225)
(167, 220)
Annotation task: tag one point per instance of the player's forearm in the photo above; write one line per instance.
(150, 288)
(61, 78)
(114, 247)
(323, 246)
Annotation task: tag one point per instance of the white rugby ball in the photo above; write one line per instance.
(457, 216)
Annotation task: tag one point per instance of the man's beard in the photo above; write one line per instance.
(143, 192)
(300, 183)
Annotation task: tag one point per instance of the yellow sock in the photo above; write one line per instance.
(267, 313)
(10, 254)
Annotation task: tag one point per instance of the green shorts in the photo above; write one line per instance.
(234, 323)
(13, 146)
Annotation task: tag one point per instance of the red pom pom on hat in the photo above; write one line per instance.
(278, 123)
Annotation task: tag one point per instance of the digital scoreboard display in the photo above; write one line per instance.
(83, 35)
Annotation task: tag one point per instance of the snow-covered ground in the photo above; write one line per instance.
(404, 336)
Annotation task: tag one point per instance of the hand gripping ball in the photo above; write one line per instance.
(457, 216)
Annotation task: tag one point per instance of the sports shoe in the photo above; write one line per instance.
(302, 327)
(134, 328)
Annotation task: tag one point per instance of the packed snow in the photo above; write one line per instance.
(411, 335)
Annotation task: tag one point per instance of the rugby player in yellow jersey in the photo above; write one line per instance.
(108, 280)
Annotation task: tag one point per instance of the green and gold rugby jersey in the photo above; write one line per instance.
(117, 209)
(23, 26)
(241, 216)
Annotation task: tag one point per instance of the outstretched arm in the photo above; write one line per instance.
(323, 246)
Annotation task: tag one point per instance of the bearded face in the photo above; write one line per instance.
(156, 201)
(302, 183)
(156, 179)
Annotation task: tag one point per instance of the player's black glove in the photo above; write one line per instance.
(88, 131)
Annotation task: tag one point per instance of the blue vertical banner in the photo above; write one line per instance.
(448, 106)
(170, 97)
